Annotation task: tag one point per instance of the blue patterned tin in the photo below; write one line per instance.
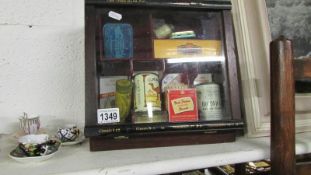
(118, 40)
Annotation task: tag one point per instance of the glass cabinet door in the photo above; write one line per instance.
(162, 65)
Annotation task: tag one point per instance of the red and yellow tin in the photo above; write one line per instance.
(182, 105)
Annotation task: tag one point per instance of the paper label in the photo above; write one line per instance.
(108, 115)
(209, 101)
(182, 105)
(115, 15)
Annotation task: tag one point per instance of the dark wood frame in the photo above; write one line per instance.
(284, 71)
(282, 108)
(217, 132)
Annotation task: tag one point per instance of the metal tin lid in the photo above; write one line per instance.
(203, 79)
(207, 85)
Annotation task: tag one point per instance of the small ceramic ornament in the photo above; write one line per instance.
(68, 134)
(29, 125)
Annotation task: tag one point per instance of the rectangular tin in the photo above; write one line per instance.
(184, 48)
(182, 105)
(118, 40)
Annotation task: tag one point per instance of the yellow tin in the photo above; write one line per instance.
(184, 48)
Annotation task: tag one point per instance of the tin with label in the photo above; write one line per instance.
(147, 92)
(118, 40)
(209, 101)
(182, 105)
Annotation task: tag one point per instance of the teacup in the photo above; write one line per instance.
(68, 133)
(34, 145)
(29, 125)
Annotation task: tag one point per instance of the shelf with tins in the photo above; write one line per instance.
(169, 69)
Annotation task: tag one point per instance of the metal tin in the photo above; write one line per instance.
(182, 105)
(123, 97)
(209, 101)
(147, 92)
(118, 40)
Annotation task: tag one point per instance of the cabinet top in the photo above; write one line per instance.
(208, 4)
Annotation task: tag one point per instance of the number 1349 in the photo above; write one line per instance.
(110, 115)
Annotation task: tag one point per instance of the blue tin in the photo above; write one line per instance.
(118, 40)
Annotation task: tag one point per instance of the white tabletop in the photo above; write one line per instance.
(78, 159)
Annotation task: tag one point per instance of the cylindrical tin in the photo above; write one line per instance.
(209, 101)
(123, 97)
(146, 92)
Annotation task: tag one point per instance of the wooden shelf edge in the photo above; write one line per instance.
(103, 144)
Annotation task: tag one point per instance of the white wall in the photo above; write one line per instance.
(41, 61)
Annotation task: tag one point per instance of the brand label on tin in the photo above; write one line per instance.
(209, 101)
(147, 92)
(182, 105)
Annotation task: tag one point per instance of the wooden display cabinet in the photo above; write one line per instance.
(172, 38)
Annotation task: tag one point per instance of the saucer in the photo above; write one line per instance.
(32, 159)
(20, 156)
(80, 139)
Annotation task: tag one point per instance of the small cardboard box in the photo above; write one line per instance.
(185, 48)
(182, 105)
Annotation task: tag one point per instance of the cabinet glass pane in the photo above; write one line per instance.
(162, 65)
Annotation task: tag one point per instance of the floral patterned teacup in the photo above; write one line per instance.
(68, 133)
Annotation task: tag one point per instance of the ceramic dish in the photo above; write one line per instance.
(80, 139)
(19, 155)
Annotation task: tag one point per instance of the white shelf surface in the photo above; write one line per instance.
(78, 160)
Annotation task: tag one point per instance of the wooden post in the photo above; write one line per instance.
(282, 108)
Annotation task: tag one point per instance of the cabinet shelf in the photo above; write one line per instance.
(129, 66)
(114, 130)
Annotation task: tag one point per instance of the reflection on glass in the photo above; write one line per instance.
(196, 59)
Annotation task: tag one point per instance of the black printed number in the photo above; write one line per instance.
(109, 116)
